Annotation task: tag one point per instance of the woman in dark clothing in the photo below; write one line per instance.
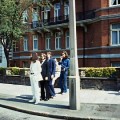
(65, 64)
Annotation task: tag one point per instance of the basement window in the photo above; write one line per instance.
(115, 64)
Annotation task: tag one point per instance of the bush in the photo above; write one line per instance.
(2, 71)
(99, 72)
(15, 70)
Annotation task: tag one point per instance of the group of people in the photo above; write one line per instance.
(44, 72)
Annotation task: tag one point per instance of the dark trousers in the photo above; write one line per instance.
(47, 89)
(42, 86)
(63, 81)
(51, 88)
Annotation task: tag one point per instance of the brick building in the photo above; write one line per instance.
(98, 32)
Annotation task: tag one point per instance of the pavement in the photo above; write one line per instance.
(94, 104)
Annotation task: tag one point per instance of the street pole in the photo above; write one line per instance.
(74, 79)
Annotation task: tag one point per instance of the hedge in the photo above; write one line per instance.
(99, 72)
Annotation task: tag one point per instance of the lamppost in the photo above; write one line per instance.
(74, 79)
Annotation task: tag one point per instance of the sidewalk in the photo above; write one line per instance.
(95, 104)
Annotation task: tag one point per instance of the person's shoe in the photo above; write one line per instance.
(32, 100)
(41, 99)
(64, 93)
(52, 97)
(60, 92)
(37, 102)
(46, 99)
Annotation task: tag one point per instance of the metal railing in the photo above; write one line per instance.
(63, 19)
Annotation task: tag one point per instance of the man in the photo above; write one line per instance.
(44, 74)
(50, 93)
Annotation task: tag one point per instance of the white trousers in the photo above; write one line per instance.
(57, 75)
(35, 89)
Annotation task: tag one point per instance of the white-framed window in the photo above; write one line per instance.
(67, 39)
(35, 42)
(57, 12)
(45, 14)
(35, 17)
(114, 2)
(25, 43)
(66, 10)
(115, 34)
(47, 41)
(25, 16)
(57, 40)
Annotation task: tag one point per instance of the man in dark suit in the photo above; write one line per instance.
(44, 74)
(51, 68)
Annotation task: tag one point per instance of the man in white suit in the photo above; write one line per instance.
(35, 77)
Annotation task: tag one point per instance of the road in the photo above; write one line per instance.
(7, 114)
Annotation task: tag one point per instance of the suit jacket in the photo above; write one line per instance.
(51, 67)
(35, 71)
(44, 69)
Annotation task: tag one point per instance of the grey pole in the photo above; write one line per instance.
(74, 79)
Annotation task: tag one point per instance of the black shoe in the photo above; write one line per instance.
(46, 99)
(41, 99)
(51, 97)
(60, 93)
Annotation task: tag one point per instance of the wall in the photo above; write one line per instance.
(85, 82)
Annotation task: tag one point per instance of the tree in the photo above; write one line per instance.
(11, 24)
(11, 27)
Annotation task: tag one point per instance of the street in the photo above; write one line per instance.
(7, 114)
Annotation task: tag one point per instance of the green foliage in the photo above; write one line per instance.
(99, 72)
(15, 70)
(2, 71)
(10, 21)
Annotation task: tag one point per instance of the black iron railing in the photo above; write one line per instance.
(64, 19)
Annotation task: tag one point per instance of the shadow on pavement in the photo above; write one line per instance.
(26, 98)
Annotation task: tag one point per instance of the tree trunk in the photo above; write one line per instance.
(7, 56)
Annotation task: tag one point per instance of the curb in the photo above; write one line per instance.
(65, 117)
(48, 115)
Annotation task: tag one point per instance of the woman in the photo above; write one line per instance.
(35, 77)
(65, 64)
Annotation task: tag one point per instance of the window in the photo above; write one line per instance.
(35, 17)
(35, 42)
(45, 14)
(115, 34)
(57, 40)
(25, 43)
(115, 64)
(25, 16)
(14, 46)
(47, 41)
(66, 10)
(67, 40)
(114, 2)
(57, 11)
